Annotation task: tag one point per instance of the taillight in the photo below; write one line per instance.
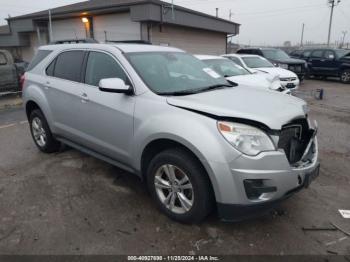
(21, 81)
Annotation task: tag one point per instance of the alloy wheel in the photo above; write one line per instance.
(39, 133)
(345, 76)
(174, 189)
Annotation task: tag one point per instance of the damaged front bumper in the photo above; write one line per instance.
(267, 179)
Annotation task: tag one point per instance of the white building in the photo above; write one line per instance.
(119, 20)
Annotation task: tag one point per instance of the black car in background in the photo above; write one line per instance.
(327, 62)
(279, 58)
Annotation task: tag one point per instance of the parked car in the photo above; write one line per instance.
(279, 58)
(329, 63)
(255, 63)
(160, 113)
(241, 76)
(10, 72)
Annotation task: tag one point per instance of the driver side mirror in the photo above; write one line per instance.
(115, 85)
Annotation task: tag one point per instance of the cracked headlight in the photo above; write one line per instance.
(246, 139)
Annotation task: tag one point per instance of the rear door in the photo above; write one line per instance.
(64, 89)
(108, 117)
(315, 62)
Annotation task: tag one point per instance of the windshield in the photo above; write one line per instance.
(256, 62)
(341, 52)
(226, 68)
(172, 72)
(275, 54)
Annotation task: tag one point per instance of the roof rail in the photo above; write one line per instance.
(75, 41)
(130, 42)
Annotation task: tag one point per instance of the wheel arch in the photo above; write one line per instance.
(30, 106)
(156, 146)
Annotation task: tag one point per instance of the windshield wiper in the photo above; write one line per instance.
(213, 87)
(196, 91)
(178, 93)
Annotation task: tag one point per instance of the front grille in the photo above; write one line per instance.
(288, 79)
(294, 138)
(296, 68)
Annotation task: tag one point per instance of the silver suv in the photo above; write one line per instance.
(199, 142)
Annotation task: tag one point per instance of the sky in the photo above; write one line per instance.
(263, 22)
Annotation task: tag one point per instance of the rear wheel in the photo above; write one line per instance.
(180, 186)
(345, 76)
(41, 133)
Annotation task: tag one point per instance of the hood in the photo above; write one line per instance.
(258, 81)
(283, 73)
(267, 107)
(290, 61)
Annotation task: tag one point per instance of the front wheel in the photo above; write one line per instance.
(345, 76)
(180, 186)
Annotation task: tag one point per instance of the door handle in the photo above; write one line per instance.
(84, 98)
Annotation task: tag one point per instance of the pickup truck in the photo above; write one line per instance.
(10, 72)
(329, 63)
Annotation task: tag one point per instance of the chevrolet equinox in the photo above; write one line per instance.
(199, 142)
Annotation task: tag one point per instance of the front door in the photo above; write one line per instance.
(108, 117)
(315, 62)
(329, 64)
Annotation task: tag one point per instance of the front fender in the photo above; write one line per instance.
(196, 132)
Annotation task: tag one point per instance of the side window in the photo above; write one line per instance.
(317, 54)
(68, 65)
(328, 54)
(306, 54)
(236, 60)
(40, 56)
(3, 60)
(50, 69)
(100, 66)
(257, 52)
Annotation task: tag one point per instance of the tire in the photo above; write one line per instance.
(41, 133)
(183, 164)
(345, 76)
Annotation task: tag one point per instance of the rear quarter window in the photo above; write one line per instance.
(68, 65)
(40, 56)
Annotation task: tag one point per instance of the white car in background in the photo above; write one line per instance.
(237, 74)
(255, 63)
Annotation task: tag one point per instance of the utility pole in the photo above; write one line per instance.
(332, 3)
(302, 35)
(50, 26)
(217, 12)
(231, 14)
(343, 41)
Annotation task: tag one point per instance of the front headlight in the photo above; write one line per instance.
(284, 66)
(246, 139)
